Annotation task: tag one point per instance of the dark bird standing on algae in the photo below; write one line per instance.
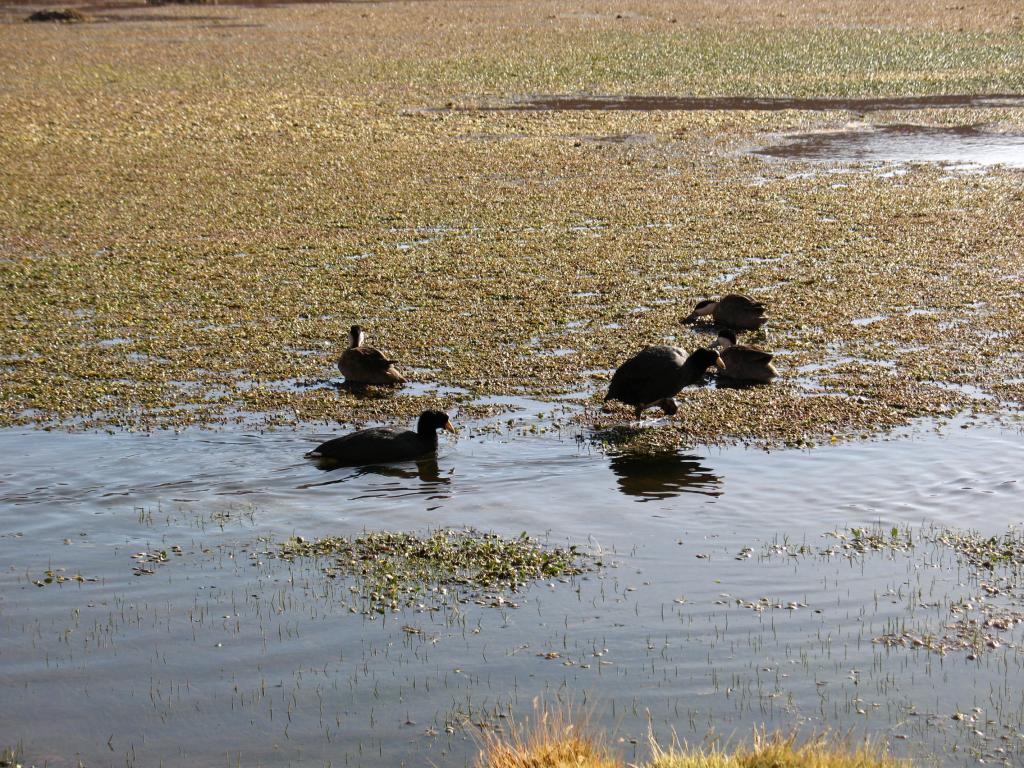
(383, 445)
(366, 365)
(731, 311)
(744, 363)
(655, 374)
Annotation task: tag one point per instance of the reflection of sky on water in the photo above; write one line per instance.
(225, 649)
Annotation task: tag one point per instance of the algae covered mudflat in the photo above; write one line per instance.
(198, 206)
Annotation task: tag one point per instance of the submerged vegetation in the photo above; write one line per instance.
(398, 569)
(187, 244)
(979, 620)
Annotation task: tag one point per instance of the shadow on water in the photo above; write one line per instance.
(663, 475)
(365, 391)
(425, 469)
(724, 382)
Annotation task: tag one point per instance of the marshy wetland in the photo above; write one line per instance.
(197, 202)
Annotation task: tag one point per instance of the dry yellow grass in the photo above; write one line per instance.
(779, 751)
(554, 742)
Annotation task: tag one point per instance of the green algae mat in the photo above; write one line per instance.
(197, 201)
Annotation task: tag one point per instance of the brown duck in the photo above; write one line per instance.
(743, 363)
(366, 365)
(731, 311)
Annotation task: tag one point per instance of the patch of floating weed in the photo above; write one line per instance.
(229, 243)
(874, 539)
(398, 569)
(147, 562)
(981, 552)
(60, 576)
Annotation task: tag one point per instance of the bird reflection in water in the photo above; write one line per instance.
(664, 475)
(426, 469)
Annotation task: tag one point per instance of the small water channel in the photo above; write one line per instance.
(708, 616)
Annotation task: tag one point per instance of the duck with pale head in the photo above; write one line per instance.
(731, 311)
(366, 365)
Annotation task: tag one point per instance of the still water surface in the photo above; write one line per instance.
(225, 655)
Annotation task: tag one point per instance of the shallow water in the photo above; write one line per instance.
(227, 655)
(961, 145)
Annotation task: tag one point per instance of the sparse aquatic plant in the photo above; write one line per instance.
(396, 569)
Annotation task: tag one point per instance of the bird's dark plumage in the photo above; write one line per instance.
(382, 445)
(655, 374)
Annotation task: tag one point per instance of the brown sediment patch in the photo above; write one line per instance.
(62, 15)
(133, 5)
(638, 103)
(967, 144)
(113, 18)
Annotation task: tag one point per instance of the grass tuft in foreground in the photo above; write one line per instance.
(779, 751)
(555, 741)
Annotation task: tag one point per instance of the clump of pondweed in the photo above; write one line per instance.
(397, 569)
(985, 552)
(62, 15)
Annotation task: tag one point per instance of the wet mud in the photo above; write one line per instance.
(966, 145)
(637, 103)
